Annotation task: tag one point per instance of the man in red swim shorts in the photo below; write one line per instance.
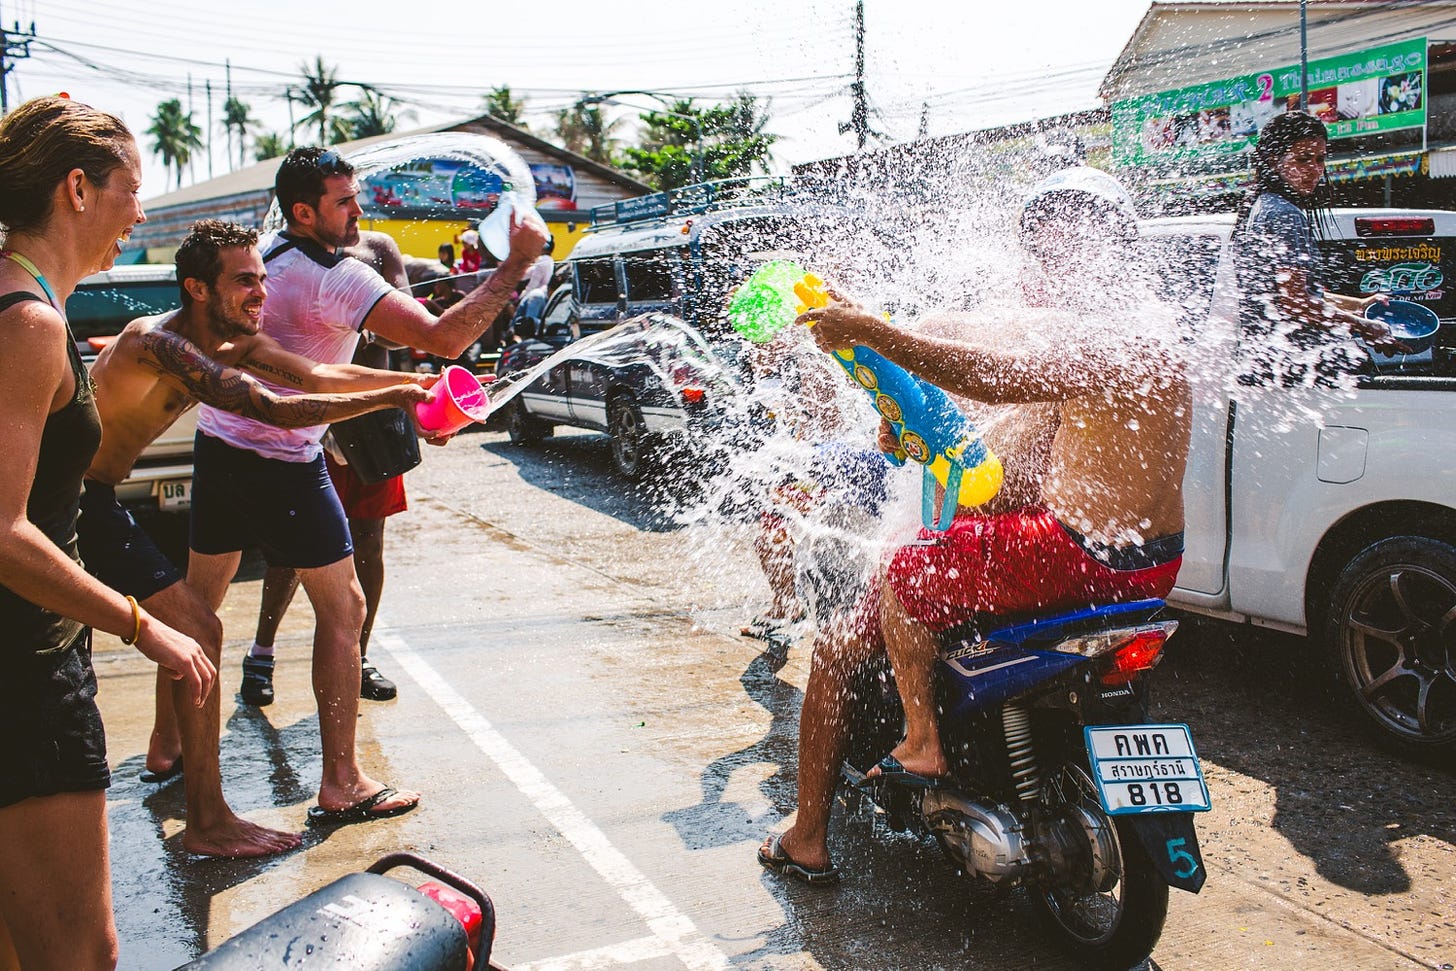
(1103, 524)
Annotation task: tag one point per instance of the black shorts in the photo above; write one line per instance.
(116, 550)
(51, 739)
(289, 510)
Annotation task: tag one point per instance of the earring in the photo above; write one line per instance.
(82, 209)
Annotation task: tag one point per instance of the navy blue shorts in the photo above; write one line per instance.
(851, 475)
(116, 550)
(51, 739)
(289, 510)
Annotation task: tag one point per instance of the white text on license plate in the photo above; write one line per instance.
(174, 494)
(1146, 769)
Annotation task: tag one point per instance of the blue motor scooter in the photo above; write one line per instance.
(1057, 781)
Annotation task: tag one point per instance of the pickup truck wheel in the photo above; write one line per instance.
(523, 427)
(1392, 623)
(632, 446)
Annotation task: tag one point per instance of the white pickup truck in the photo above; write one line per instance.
(100, 307)
(1333, 513)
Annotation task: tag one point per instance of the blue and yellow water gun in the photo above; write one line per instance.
(928, 426)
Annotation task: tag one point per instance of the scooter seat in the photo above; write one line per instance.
(1029, 631)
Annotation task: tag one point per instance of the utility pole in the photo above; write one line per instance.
(859, 118)
(191, 171)
(226, 105)
(14, 45)
(1303, 57)
(208, 87)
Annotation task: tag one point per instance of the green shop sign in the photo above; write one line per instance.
(1377, 90)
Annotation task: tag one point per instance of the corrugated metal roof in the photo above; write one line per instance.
(1181, 44)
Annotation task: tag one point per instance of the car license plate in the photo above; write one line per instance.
(174, 494)
(1146, 769)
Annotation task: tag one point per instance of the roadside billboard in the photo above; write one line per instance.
(1380, 89)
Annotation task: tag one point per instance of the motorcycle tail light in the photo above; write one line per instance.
(694, 396)
(461, 907)
(1107, 641)
(1140, 653)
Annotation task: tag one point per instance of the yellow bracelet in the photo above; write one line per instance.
(136, 618)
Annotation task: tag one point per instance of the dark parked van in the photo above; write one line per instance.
(680, 252)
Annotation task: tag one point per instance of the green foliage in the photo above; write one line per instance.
(270, 144)
(373, 114)
(320, 84)
(500, 104)
(237, 116)
(734, 143)
(585, 130)
(174, 136)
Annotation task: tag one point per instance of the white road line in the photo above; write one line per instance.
(627, 952)
(667, 923)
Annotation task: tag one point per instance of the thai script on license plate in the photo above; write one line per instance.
(1146, 769)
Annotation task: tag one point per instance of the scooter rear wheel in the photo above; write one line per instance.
(1109, 910)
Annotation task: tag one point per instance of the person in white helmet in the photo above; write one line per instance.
(1096, 518)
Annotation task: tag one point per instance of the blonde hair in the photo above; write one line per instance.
(43, 140)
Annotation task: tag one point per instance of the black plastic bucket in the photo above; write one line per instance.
(379, 445)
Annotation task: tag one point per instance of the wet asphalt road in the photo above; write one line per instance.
(602, 753)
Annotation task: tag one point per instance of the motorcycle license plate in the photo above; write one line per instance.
(1146, 769)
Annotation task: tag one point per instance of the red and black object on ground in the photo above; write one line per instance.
(370, 922)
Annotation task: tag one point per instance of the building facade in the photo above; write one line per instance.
(568, 186)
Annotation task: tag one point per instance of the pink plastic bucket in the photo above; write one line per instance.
(456, 400)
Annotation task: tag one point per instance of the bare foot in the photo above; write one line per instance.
(236, 837)
(163, 752)
(334, 798)
(930, 765)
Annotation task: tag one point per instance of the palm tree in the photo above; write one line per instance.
(319, 84)
(584, 129)
(500, 104)
(174, 136)
(236, 114)
(268, 145)
(374, 114)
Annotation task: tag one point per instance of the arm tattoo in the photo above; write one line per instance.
(222, 387)
(278, 372)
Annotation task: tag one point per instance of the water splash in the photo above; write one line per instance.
(487, 155)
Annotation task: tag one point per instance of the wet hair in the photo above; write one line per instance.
(1276, 138)
(200, 255)
(301, 177)
(45, 139)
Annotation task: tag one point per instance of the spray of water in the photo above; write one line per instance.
(488, 157)
(933, 242)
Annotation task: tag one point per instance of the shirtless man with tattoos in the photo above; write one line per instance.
(158, 367)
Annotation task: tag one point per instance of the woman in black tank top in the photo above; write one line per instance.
(69, 176)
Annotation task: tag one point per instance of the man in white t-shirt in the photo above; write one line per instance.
(254, 484)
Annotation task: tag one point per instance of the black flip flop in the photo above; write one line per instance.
(779, 861)
(162, 775)
(361, 812)
(893, 772)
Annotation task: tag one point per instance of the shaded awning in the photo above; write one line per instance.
(1443, 163)
(1336, 170)
(1373, 166)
